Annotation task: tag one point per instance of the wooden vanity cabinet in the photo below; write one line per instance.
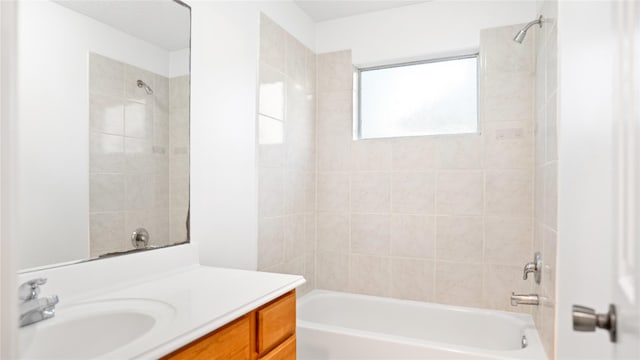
(266, 333)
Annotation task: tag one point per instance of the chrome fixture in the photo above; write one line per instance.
(145, 86)
(586, 319)
(519, 299)
(32, 308)
(524, 342)
(140, 238)
(519, 38)
(534, 267)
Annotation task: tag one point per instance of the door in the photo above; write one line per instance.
(626, 120)
(599, 175)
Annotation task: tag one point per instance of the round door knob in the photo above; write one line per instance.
(586, 319)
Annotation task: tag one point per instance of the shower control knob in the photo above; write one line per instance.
(586, 319)
(534, 267)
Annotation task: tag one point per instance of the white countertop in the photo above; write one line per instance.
(203, 299)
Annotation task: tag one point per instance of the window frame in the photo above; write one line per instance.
(358, 98)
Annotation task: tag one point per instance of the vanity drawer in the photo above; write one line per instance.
(232, 342)
(286, 351)
(276, 322)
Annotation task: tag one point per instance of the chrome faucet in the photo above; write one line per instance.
(33, 308)
(534, 267)
(520, 299)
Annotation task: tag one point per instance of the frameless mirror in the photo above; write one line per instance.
(103, 128)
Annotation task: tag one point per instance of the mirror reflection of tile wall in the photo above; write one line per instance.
(139, 163)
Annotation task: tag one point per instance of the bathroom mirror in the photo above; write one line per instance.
(103, 128)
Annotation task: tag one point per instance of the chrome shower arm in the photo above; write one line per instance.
(519, 38)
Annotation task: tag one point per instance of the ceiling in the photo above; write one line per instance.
(321, 10)
(163, 23)
(166, 24)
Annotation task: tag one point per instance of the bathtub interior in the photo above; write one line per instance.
(325, 314)
(455, 325)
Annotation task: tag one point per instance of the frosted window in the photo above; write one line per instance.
(429, 98)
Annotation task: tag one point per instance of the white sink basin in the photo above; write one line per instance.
(94, 329)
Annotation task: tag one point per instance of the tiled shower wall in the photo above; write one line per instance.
(546, 170)
(135, 178)
(287, 150)
(178, 158)
(447, 219)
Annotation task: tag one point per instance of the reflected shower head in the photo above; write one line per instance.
(519, 38)
(147, 88)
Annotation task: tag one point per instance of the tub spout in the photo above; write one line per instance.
(519, 299)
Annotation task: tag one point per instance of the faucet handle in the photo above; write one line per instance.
(30, 289)
(534, 267)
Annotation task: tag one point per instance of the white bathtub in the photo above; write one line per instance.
(333, 325)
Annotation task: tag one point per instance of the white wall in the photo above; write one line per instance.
(225, 45)
(422, 31)
(179, 62)
(52, 134)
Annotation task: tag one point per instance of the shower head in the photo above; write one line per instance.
(147, 88)
(519, 38)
